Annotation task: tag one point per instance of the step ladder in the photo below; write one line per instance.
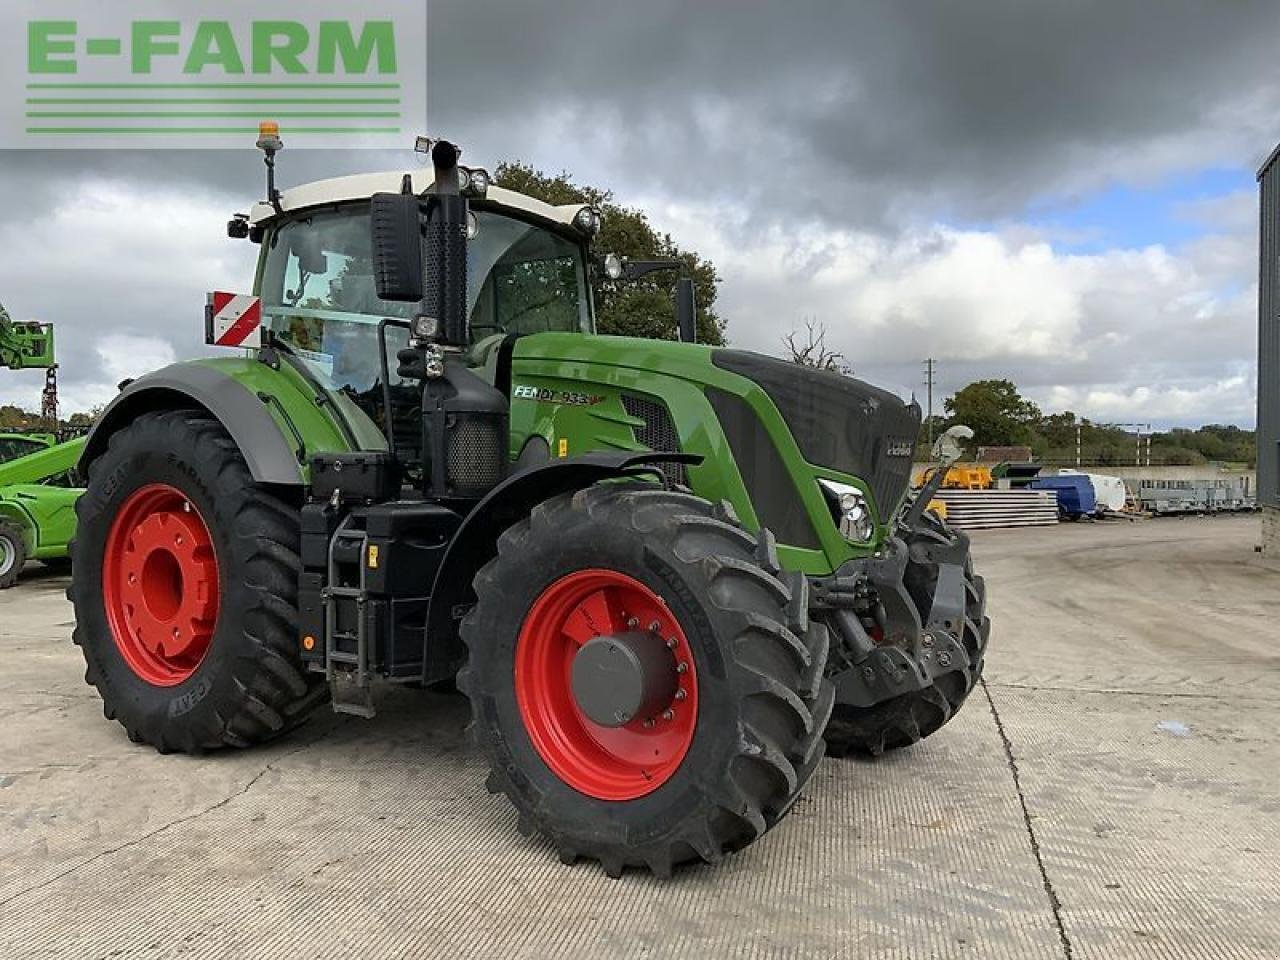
(350, 681)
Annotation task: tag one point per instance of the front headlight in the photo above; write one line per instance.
(849, 510)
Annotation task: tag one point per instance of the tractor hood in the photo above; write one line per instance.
(838, 422)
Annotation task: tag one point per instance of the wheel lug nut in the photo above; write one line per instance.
(680, 694)
(668, 714)
(682, 668)
(654, 626)
(649, 722)
(671, 643)
(632, 623)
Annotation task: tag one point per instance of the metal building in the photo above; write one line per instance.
(1269, 353)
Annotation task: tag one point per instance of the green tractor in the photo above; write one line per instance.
(37, 503)
(660, 572)
(37, 492)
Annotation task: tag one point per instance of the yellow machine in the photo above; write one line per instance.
(961, 476)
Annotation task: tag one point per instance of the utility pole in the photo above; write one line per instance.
(1078, 425)
(1138, 428)
(930, 371)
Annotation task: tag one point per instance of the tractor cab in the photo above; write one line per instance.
(527, 272)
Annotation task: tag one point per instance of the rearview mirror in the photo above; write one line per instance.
(686, 311)
(396, 241)
(947, 449)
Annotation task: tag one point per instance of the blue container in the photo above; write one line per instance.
(1075, 494)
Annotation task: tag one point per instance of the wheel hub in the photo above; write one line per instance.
(606, 684)
(8, 555)
(617, 679)
(160, 585)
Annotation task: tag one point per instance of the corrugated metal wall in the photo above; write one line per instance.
(1269, 333)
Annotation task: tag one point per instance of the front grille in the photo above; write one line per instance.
(838, 422)
(769, 484)
(659, 431)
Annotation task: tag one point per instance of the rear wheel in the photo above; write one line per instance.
(186, 589)
(13, 553)
(645, 687)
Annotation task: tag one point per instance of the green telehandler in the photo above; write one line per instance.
(37, 491)
(661, 572)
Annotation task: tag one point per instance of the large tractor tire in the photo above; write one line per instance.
(13, 553)
(185, 590)
(911, 717)
(644, 679)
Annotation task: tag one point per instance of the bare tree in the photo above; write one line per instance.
(809, 348)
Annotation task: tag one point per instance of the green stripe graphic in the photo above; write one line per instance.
(213, 100)
(143, 85)
(244, 129)
(196, 114)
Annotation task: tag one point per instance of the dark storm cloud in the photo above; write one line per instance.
(911, 109)
(835, 118)
(865, 110)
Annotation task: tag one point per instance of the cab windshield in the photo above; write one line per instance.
(318, 291)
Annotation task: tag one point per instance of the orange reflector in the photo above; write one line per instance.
(269, 128)
(308, 642)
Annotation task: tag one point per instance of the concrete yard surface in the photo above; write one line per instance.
(1114, 791)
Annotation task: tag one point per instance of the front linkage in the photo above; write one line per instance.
(909, 630)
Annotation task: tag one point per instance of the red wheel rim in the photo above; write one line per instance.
(160, 584)
(609, 763)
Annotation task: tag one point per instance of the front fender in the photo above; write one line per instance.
(15, 512)
(476, 541)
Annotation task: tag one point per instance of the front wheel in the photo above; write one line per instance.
(911, 717)
(645, 687)
(185, 589)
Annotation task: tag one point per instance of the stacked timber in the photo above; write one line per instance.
(977, 509)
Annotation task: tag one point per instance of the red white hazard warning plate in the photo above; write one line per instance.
(233, 320)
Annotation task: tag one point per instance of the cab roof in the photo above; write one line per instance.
(361, 186)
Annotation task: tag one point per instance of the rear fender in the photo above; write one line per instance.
(270, 440)
(476, 542)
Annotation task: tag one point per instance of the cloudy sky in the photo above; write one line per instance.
(1059, 193)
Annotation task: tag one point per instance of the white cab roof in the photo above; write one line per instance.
(364, 185)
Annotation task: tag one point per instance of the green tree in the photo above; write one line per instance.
(639, 308)
(15, 418)
(997, 413)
